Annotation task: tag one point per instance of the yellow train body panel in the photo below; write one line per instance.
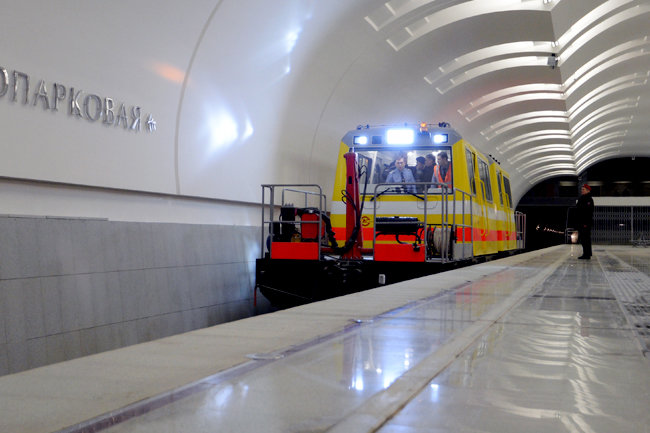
(476, 210)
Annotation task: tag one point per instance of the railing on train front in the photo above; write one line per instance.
(270, 224)
(520, 228)
(463, 224)
(447, 227)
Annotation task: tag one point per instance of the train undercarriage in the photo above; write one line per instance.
(287, 283)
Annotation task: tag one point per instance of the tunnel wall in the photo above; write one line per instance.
(71, 287)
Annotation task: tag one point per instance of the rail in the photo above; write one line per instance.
(272, 226)
(446, 225)
(520, 229)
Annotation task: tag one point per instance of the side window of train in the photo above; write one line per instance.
(484, 173)
(499, 180)
(469, 155)
(506, 184)
(365, 163)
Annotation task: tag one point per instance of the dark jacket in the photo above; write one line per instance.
(427, 173)
(585, 211)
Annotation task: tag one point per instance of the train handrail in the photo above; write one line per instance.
(464, 195)
(272, 206)
(520, 230)
(445, 224)
(484, 207)
(387, 186)
(306, 193)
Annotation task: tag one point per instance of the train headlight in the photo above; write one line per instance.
(440, 138)
(360, 139)
(400, 136)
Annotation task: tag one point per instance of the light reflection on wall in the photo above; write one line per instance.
(291, 40)
(169, 72)
(224, 130)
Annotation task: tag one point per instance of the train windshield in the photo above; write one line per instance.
(407, 166)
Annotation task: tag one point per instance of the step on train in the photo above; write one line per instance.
(409, 200)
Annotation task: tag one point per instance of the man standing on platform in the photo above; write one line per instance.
(585, 221)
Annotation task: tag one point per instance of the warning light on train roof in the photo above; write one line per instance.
(440, 138)
(360, 139)
(424, 127)
(400, 136)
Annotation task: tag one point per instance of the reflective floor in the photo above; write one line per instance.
(545, 346)
(565, 360)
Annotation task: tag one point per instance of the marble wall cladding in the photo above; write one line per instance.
(75, 287)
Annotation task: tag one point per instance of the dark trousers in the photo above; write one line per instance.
(585, 241)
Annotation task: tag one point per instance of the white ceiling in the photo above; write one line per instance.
(255, 92)
(485, 67)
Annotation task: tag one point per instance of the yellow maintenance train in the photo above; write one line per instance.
(409, 200)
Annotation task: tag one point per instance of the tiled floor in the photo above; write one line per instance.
(535, 342)
(565, 360)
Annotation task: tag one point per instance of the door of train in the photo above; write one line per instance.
(480, 212)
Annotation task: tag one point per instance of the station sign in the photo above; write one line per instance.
(18, 88)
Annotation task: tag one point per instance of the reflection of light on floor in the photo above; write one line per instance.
(434, 392)
(389, 378)
(222, 397)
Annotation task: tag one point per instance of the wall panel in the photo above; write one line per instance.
(74, 287)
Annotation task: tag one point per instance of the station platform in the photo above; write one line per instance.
(536, 342)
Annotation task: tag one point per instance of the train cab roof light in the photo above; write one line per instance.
(440, 138)
(400, 136)
(424, 127)
(360, 139)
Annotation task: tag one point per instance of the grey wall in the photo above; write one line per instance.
(74, 287)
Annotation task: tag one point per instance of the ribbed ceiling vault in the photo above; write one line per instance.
(548, 87)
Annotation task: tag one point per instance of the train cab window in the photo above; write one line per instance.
(469, 155)
(377, 164)
(499, 180)
(365, 165)
(506, 184)
(484, 174)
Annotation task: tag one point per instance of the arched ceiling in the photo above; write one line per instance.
(548, 87)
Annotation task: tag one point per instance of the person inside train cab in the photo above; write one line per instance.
(429, 163)
(427, 172)
(418, 172)
(401, 174)
(442, 171)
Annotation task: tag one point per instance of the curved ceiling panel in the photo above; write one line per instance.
(548, 87)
